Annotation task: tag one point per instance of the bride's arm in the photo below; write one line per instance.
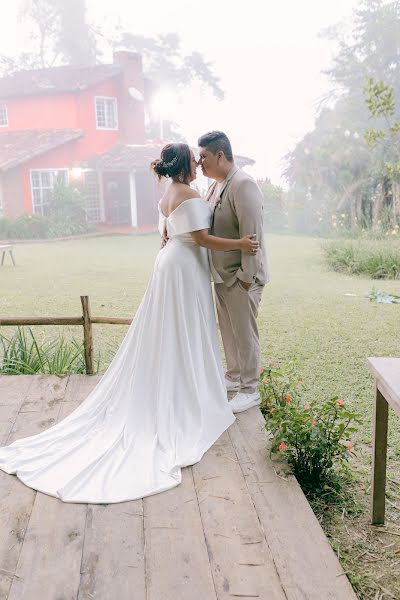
(246, 244)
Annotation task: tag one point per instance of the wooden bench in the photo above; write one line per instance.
(387, 379)
(6, 248)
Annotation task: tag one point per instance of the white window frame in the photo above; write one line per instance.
(4, 112)
(100, 204)
(51, 187)
(115, 103)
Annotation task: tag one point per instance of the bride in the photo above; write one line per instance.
(162, 401)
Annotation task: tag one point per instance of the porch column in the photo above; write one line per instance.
(132, 188)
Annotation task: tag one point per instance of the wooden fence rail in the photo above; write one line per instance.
(86, 320)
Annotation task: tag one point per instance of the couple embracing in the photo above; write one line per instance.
(162, 402)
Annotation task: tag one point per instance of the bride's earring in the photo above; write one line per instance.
(181, 178)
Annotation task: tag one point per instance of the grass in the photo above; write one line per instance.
(305, 315)
(375, 258)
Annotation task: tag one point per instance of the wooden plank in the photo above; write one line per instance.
(13, 391)
(379, 454)
(113, 564)
(16, 499)
(113, 550)
(307, 566)
(240, 557)
(177, 564)
(387, 375)
(50, 558)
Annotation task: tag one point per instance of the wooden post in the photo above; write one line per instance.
(379, 459)
(87, 335)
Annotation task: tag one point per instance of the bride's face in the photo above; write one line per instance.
(194, 166)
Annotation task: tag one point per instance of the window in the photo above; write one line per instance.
(92, 197)
(42, 184)
(106, 112)
(3, 115)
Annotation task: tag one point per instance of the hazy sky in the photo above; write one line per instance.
(268, 55)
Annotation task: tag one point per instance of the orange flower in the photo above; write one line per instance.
(288, 398)
(271, 410)
(282, 446)
(340, 402)
(349, 446)
(312, 421)
(306, 406)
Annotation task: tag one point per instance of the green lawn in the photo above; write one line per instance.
(305, 315)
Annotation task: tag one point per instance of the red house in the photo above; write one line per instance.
(80, 125)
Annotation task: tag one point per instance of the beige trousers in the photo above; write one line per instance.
(237, 311)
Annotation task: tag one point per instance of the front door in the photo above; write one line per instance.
(117, 198)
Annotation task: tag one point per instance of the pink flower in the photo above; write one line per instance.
(340, 402)
(312, 421)
(306, 406)
(282, 446)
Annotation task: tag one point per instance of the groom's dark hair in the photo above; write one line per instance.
(214, 141)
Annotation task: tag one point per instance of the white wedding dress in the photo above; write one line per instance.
(162, 401)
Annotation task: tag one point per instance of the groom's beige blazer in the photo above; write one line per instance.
(238, 211)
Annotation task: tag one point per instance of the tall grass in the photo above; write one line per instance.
(22, 354)
(375, 258)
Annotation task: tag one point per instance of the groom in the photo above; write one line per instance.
(239, 279)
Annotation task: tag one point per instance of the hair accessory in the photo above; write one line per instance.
(171, 163)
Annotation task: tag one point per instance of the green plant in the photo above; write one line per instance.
(313, 437)
(23, 354)
(376, 258)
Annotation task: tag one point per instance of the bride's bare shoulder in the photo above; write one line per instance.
(186, 193)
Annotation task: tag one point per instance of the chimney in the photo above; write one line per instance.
(131, 97)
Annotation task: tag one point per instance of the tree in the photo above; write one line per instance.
(59, 33)
(333, 168)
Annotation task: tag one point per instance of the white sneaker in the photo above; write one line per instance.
(231, 386)
(242, 401)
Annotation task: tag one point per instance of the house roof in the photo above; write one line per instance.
(125, 157)
(55, 79)
(17, 147)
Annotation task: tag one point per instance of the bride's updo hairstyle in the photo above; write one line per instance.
(175, 162)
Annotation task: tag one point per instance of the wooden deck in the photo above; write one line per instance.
(234, 528)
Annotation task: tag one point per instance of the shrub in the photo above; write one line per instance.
(23, 354)
(378, 259)
(313, 438)
(66, 216)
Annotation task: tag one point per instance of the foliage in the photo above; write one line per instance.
(313, 437)
(274, 205)
(23, 354)
(378, 259)
(333, 169)
(65, 216)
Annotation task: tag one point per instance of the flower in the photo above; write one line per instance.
(301, 382)
(340, 402)
(282, 446)
(288, 398)
(271, 410)
(306, 406)
(349, 446)
(312, 421)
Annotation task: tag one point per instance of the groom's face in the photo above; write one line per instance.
(209, 163)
